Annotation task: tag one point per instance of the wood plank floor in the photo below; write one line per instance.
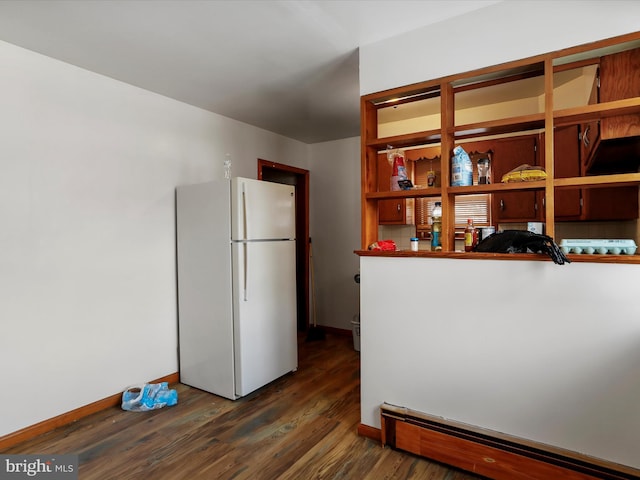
(302, 426)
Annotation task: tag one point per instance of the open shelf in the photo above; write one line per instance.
(588, 113)
(499, 127)
(413, 193)
(497, 187)
(409, 140)
(551, 111)
(595, 181)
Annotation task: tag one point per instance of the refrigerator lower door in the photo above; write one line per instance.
(265, 337)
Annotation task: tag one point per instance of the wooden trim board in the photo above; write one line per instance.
(370, 432)
(70, 417)
(337, 331)
(489, 453)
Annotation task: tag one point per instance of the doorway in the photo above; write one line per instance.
(298, 177)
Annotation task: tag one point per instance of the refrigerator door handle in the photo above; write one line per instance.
(244, 250)
(245, 236)
(246, 269)
(244, 212)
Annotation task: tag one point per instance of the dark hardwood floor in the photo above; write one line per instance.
(302, 426)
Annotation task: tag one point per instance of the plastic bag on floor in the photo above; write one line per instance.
(149, 396)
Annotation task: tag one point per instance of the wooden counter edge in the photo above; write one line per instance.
(594, 258)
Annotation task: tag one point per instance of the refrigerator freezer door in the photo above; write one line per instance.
(262, 210)
(205, 326)
(265, 313)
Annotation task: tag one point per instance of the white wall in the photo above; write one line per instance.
(88, 168)
(541, 351)
(545, 352)
(510, 30)
(335, 230)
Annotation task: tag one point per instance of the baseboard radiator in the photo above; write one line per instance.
(488, 453)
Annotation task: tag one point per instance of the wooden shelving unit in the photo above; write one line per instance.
(541, 70)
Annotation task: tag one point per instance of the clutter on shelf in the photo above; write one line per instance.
(524, 173)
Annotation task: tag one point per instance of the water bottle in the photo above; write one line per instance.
(436, 227)
(461, 168)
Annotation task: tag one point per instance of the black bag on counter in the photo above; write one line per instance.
(522, 241)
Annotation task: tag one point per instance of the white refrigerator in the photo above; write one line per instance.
(236, 284)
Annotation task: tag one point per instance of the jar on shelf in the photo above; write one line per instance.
(470, 236)
(484, 171)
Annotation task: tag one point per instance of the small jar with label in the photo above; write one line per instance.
(414, 244)
(470, 236)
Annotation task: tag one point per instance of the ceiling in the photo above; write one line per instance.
(287, 66)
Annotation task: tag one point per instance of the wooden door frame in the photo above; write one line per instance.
(302, 225)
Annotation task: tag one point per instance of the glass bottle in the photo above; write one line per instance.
(470, 236)
(436, 227)
(484, 171)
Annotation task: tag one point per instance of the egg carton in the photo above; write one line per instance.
(602, 247)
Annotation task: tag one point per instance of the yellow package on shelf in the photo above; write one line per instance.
(524, 173)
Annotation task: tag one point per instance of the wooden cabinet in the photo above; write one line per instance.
(566, 155)
(619, 80)
(589, 134)
(619, 203)
(395, 212)
(609, 144)
(509, 153)
(608, 204)
(508, 109)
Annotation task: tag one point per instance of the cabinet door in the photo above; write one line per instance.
(590, 132)
(610, 203)
(619, 203)
(619, 80)
(509, 153)
(566, 154)
(390, 212)
(609, 145)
